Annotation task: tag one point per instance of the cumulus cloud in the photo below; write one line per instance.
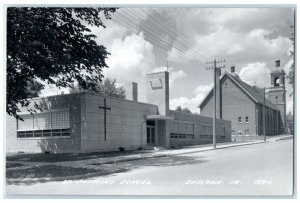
(255, 74)
(235, 49)
(131, 59)
(174, 75)
(192, 103)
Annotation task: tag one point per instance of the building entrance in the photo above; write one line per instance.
(151, 132)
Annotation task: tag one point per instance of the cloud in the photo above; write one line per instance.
(235, 49)
(256, 74)
(130, 60)
(174, 75)
(287, 66)
(192, 103)
(203, 89)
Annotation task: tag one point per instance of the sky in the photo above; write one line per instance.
(144, 40)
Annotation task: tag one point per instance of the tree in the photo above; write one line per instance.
(185, 109)
(53, 45)
(33, 89)
(290, 122)
(106, 87)
(178, 108)
(291, 74)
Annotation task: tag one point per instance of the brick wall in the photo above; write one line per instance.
(236, 104)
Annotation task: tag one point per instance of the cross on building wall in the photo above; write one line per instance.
(105, 108)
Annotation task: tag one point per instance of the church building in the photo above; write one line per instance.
(88, 122)
(243, 105)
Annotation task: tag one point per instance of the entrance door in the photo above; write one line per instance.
(150, 132)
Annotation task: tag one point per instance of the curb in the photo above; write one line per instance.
(174, 154)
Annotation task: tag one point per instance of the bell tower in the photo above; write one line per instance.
(277, 94)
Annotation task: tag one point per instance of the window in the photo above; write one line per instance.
(247, 119)
(232, 132)
(151, 123)
(240, 133)
(247, 132)
(183, 130)
(277, 81)
(46, 124)
(43, 133)
(225, 84)
(239, 119)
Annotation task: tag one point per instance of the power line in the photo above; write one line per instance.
(183, 36)
(177, 35)
(153, 38)
(154, 34)
(151, 31)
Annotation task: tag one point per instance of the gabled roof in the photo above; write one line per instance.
(249, 90)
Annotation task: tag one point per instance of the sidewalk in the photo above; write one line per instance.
(173, 152)
(92, 163)
(107, 165)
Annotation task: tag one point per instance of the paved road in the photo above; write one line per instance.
(260, 169)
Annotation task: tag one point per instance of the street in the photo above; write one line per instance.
(258, 169)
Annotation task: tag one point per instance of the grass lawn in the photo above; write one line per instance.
(49, 171)
(41, 157)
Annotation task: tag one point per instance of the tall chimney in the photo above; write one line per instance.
(132, 91)
(277, 63)
(232, 69)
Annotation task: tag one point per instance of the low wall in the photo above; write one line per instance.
(193, 129)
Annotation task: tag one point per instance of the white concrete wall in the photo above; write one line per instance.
(125, 123)
(54, 144)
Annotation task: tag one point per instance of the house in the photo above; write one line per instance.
(244, 104)
(87, 122)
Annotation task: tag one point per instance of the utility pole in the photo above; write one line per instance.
(264, 115)
(167, 66)
(215, 68)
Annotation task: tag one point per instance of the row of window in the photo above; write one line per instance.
(210, 137)
(246, 119)
(45, 120)
(184, 136)
(182, 127)
(189, 136)
(44, 133)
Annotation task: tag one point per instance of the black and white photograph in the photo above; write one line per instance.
(149, 101)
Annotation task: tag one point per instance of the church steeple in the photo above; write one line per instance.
(277, 76)
(277, 93)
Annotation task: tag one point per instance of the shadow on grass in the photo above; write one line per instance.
(63, 157)
(46, 173)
